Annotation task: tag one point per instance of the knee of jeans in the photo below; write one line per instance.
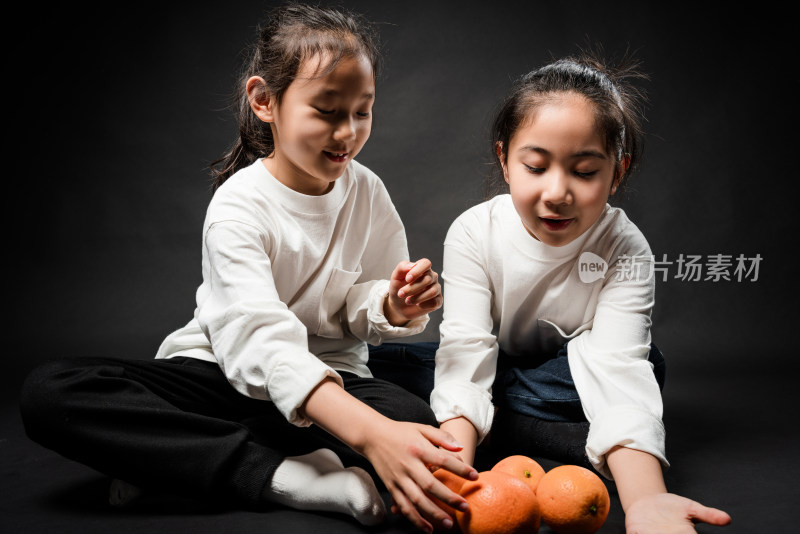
(542, 395)
(423, 351)
(563, 411)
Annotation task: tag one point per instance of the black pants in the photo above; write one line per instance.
(178, 425)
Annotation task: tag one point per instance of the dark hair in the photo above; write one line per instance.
(293, 33)
(617, 102)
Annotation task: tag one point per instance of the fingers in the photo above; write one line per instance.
(440, 438)
(402, 270)
(417, 269)
(438, 500)
(427, 288)
(410, 271)
(457, 467)
(712, 516)
(403, 505)
(418, 494)
(413, 502)
(443, 458)
(422, 284)
(435, 489)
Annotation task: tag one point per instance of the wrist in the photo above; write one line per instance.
(465, 433)
(325, 406)
(368, 431)
(637, 474)
(393, 316)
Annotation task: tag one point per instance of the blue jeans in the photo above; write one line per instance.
(545, 391)
(409, 365)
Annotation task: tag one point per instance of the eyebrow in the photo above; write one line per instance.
(581, 154)
(334, 92)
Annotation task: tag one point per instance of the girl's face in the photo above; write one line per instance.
(558, 171)
(320, 124)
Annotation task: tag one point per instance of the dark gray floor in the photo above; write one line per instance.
(730, 446)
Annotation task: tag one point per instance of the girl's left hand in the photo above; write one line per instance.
(414, 290)
(667, 513)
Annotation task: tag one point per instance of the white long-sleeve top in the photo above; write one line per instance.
(293, 285)
(503, 289)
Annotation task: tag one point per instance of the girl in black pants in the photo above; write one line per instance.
(265, 395)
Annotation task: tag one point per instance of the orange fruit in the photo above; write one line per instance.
(499, 503)
(526, 469)
(573, 500)
(453, 482)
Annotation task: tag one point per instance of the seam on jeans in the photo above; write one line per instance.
(539, 399)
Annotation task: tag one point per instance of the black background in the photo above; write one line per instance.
(116, 111)
(117, 114)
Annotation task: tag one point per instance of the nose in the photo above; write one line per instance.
(557, 188)
(345, 129)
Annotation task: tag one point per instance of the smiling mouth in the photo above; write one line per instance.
(335, 156)
(555, 224)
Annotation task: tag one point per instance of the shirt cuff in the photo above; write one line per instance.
(290, 385)
(463, 399)
(377, 296)
(625, 426)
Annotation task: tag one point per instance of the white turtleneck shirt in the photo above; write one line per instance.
(503, 289)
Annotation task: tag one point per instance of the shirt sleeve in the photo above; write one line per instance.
(386, 247)
(615, 381)
(261, 346)
(467, 354)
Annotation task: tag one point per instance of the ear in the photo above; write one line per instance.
(262, 102)
(620, 171)
(501, 157)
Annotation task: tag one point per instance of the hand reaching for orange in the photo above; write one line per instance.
(517, 495)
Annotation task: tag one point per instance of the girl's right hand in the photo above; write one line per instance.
(667, 513)
(404, 455)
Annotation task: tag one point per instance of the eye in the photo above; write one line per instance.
(534, 170)
(363, 114)
(325, 111)
(585, 174)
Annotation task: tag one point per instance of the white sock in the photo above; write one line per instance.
(318, 481)
(121, 494)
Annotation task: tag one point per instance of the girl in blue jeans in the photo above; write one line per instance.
(542, 414)
(548, 290)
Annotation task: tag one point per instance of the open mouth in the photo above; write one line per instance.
(338, 157)
(555, 224)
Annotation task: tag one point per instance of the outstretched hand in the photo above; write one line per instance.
(414, 290)
(667, 513)
(402, 453)
(403, 456)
